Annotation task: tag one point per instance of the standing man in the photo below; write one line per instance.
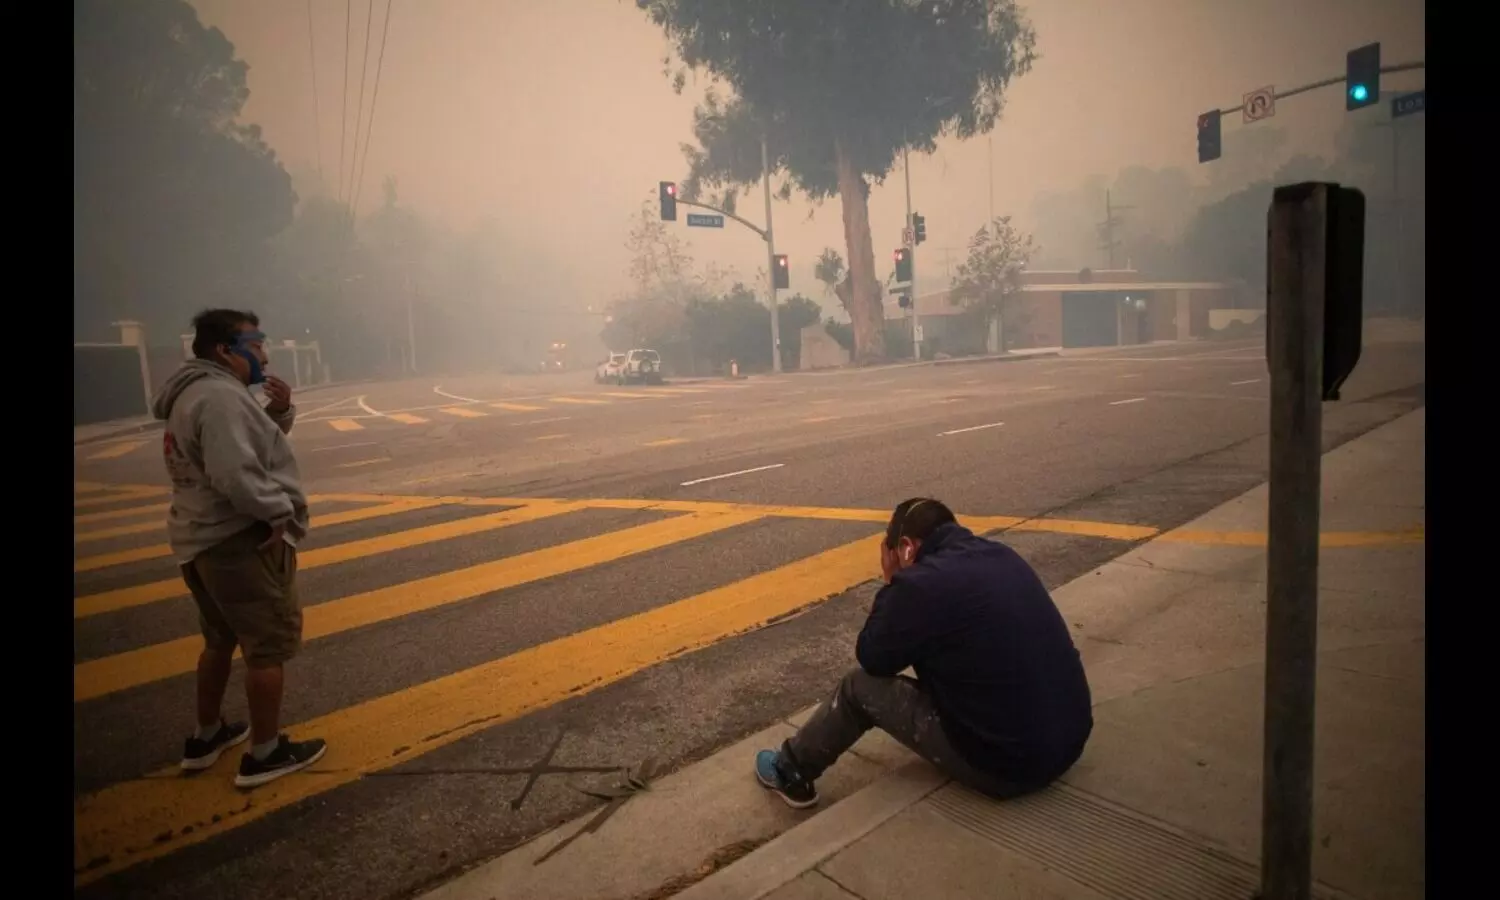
(1000, 702)
(237, 514)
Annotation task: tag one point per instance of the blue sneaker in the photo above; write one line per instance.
(795, 791)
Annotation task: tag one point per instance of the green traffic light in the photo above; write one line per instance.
(1359, 92)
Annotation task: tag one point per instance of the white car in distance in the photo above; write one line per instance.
(609, 370)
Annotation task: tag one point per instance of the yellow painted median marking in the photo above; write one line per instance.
(463, 412)
(577, 401)
(171, 588)
(816, 419)
(548, 437)
(665, 442)
(1107, 530)
(137, 554)
(345, 425)
(99, 677)
(115, 451)
(517, 407)
(89, 487)
(406, 418)
(133, 821)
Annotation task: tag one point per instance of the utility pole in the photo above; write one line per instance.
(765, 165)
(411, 324)
(989, 140)
(911, 248)
(1108, 226)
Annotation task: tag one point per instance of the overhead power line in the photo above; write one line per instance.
(385, 30)
(344, 103)
(312, 59)
(359, 108)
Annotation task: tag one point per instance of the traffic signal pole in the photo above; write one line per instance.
(765, 165)
(911, 251)
(765, 235)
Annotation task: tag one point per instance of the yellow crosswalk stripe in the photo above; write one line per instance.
(345, 425)
(578, 401)
(517, 407)
(88, 487)
(110, 515)
(137, 820)
(120, 495)
(101, 534)
(463, 412)
(171, 588)
(406, 418)
(671, 391)
(98, 677)
(157, 551)
(637, 396)
(115, 451)
(665, 442)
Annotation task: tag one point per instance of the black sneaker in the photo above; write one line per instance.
(199, 755)
(798, 792)
(289, 756)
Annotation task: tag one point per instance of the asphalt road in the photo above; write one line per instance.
(621, 573)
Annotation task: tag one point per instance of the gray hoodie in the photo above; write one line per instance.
(230, 462)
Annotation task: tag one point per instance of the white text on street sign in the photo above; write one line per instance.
(907, 237)
(1260, 104)
(1406, 104)
(697, 220)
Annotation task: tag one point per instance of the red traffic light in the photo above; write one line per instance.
(781, 261)
(672, 189)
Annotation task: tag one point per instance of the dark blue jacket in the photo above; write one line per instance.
(991, 649)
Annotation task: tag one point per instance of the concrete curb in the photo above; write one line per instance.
(955, 361)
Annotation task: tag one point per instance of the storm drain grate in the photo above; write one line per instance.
(1118, 854)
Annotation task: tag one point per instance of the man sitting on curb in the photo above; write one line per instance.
(1000, 702)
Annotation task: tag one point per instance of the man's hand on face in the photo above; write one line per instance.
(887, 562)
(280, 394)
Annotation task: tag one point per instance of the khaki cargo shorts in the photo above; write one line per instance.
(247, 597)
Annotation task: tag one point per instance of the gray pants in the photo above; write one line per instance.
(899, 707)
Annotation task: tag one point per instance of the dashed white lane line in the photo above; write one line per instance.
(970, 428)
(1123, 402)
(732, 474)
(1246, 381)
(344, 446)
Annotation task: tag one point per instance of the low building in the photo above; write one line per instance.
(1104, 308)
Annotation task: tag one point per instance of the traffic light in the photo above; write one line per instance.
(781, 277)
(919, 228)
(903, 266)
(668, 201)
(1362, 77)
(1209, 143)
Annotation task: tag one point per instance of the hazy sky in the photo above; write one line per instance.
(553, 117)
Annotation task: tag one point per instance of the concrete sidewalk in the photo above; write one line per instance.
(1165, 802)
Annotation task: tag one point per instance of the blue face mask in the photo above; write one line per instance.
(242, 349)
